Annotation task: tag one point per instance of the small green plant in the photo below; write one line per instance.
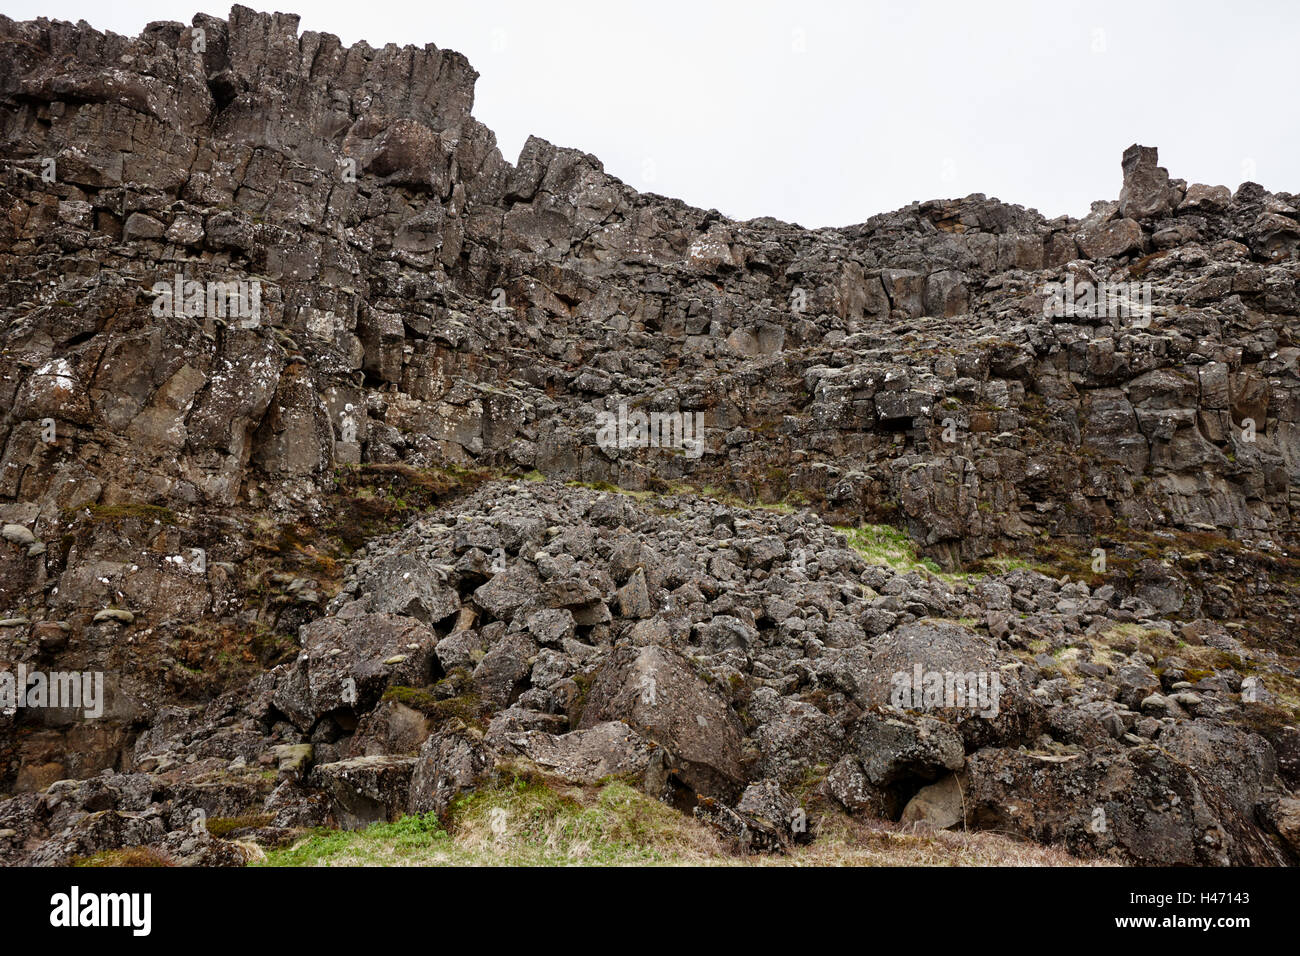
(223, 826)
(125, 512)
(373, 844)
(131, 856)
(890, 546)
(530, 820)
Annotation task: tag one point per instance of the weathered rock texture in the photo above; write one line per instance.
(179, 490)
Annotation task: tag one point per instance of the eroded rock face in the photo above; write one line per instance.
(604, 751)
(1147, 192)
(348, 662)
(271, 298)
(654, 691)
(1144, 804)
(451, 763)
(365, 790)
(751, 672)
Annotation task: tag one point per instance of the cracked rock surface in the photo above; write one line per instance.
(364, 550)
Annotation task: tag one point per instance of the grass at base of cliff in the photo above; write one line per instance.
(893, 547)
(527, 823)
(132, 856)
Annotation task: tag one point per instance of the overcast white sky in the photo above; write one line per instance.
(826, 113)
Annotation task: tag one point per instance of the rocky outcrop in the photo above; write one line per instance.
(758, 665)
(1143, 804)
(276, 307)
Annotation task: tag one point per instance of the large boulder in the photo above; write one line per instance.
(848, 785)
(1110, 239)
(1142, 806)
(347, 663)
(611, 749)
(939, 805)
(655, 691)
(391, 728)
(451, 762)
(365, 790)
(1146, 193)
(1283, 817)
(1239, 763)
(409, 585)
(766, 819)
(949, 672)
(895, 749)
(516, 587)
(793, 737)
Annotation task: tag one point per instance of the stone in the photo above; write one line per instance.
(1112, 239)
(449, 764)
(1058, 799)
(1146, 193)
(847, 783)
(633, 597)
(938, 806)
(654, 691)
(604, 751)
(360, 503)
(1283, 816)
(117, 614)
(140, 226)
(365, 790)
(17, 534)
(1200, 197)
(342, 667)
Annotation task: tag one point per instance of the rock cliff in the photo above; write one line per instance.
(364, 465)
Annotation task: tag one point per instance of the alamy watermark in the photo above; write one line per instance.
(1097, 300)
(977, 691)
(77, 909)
(233, 299)
(82, 690)
(683, 430)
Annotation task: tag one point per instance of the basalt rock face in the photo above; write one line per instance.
(208, 508)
